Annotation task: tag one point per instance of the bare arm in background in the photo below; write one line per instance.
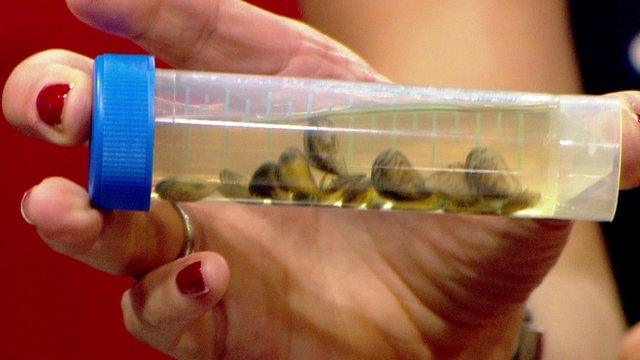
(503, 45)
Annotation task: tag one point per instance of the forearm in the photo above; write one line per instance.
(577, 304)
(496, 44)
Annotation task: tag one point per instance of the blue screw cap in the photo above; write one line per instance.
(122, 132)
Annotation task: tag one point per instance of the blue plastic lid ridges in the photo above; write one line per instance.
(122, 132)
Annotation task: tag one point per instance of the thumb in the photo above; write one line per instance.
(630, 349)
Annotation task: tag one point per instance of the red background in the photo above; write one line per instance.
(52, 307)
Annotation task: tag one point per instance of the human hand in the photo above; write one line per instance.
(305, 282)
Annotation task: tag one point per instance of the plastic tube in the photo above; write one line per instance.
(195, 136)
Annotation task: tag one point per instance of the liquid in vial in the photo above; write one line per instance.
(435, 159)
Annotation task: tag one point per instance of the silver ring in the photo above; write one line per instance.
(187, 226)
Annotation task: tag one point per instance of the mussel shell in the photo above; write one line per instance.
(486, 206)
(489, 175)
(497, 205)
(294, 174)
(184, 189)
(264, 182)
(321, 146)
(368, 199)
(432, 203)
(521, 201)
(344, 188)
(233, 185)
(453, 188)
(393, 176)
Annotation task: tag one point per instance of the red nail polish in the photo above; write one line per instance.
(50, 103)
(190, 281)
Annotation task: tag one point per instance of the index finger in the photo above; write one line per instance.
(224, 35)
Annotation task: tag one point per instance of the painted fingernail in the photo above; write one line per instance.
(50, 103)
(190, 280)
(23, 206)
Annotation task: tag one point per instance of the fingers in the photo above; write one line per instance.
(170, 308)
(214, 34)
(630, 349)
(24, 89)
(630, 166)
(228, 35)
(119, 243)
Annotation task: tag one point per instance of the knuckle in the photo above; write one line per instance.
(137, 318)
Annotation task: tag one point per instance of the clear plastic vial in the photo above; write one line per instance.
(194, 136)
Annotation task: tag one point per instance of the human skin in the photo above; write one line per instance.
(283, 282)
(501, 45)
